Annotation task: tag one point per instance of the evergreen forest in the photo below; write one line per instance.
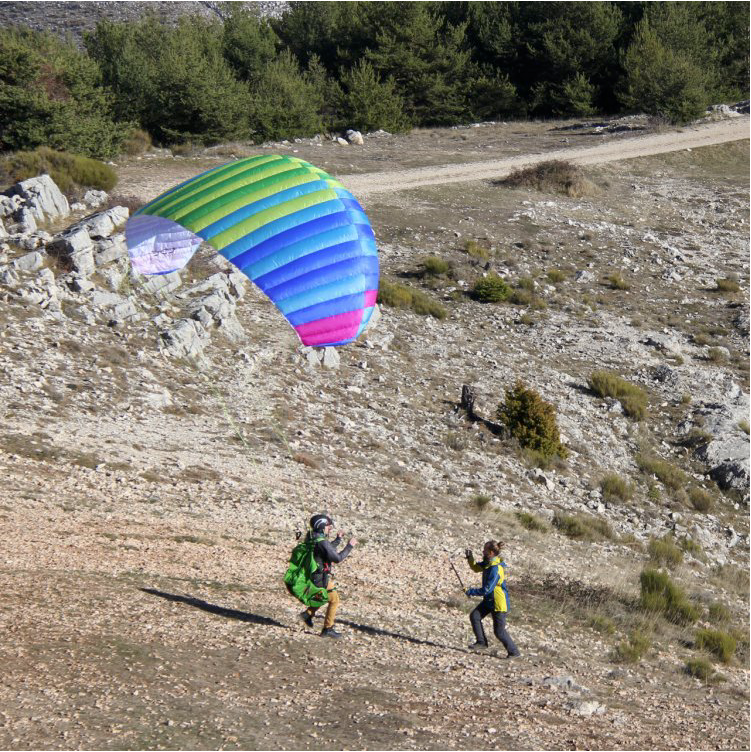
(326, 66)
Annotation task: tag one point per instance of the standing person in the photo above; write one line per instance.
(495, 598)
(325, 555)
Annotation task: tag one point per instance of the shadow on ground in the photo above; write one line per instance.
(231, 613)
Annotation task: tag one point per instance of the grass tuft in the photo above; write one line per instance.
(632, 398)
(582, 526)
(397, 295)
(531, 522)
(616, 488)
(663, 551)
(661, 596)
(720, 644)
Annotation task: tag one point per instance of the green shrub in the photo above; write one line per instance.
(719, 613)
(368, 102)
(531, 420)
(727, 285)
(67, 170)
(531, 522)
(400, 296)
(633, 650)
(660, 595)
(491, 289)
(433, 266)
(701, 500)
(660, 80)
(614, 487)
(672, 477)
(553, 176)
(632, 398)
(556, 276)
(720, 644)
(582, 526)
(743, 425)
(664, 552)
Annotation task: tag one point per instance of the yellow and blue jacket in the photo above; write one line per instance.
(493, 590)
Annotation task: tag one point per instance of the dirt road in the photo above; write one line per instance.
(689, 138)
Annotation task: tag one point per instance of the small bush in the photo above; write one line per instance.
(602, 624)
(700, 668)
(476, 250)
(536, 458)
(531, 522)
(400, 296)
(632, 398)
(481, 501)
(664, 552)
(719, 613)
(531, 420)
(491, 289)
(433, 266)
(720, 644)
(137, 142)
(67, 170)
(633, 650)
(616, 281)
(582, 526)
(727, 285)
(614, 487)
(557, 276)
(672, 477)
(455, 440)
(716, 355)
(660, 595)
(743, 425)
(701, 500)
(553, 176)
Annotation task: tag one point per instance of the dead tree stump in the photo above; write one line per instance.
(468, 400)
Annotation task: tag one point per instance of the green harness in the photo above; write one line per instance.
(299, 575)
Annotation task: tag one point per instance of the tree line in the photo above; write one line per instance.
(366, 65)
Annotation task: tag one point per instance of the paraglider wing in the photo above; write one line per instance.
(292, 229)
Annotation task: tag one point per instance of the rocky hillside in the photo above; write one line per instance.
(163, 438)
(75, 18)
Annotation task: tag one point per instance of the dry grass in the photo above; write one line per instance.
(555, 176)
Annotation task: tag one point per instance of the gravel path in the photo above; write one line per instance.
(692, 138)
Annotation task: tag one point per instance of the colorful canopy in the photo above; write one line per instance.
(288, 226)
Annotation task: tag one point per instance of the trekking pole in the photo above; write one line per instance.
(457, 574)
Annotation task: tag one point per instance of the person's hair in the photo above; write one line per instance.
(494, 546)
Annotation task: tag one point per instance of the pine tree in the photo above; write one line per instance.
(367, 103)
(662, 81)
(428, 61)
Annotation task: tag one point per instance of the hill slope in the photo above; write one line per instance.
(149, 502)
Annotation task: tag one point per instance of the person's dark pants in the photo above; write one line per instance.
(499, 626)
